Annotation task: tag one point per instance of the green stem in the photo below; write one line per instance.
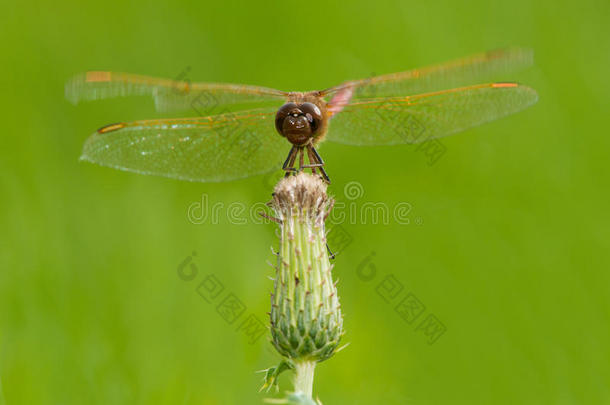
(303, 380)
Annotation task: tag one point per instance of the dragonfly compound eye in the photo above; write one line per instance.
(282, 113)
(313, 114)
(294, 124)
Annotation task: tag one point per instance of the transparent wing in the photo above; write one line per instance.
(480, 68)
(169, 95)
(217, 148)
(416, 119)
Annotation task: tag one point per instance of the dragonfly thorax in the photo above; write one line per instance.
(299, 123)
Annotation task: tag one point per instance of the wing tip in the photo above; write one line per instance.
(504, 85)
(533, 93)
(524, 53)
(111, 127)
(71, 89)
(75, 90)
(97, 76)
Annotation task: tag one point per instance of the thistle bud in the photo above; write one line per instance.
(306, 321)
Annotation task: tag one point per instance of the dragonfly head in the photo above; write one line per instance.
(298, 122)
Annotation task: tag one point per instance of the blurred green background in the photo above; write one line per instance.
(507, 244)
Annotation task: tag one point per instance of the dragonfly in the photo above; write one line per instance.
(243, 130)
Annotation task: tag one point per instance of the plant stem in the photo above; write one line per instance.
(303, 380)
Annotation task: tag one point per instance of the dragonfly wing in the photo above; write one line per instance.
(207, 149)
(480, 68)
(169, 95)
(416, 119)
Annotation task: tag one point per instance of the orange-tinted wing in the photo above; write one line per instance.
(169, 95)
(480, 68)
(216, 148)
(418, 118)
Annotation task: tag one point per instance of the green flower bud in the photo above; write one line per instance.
(306, 321)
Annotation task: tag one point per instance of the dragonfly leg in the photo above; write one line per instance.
(312, 162)
(331, 255)
(288, 166)
(319, 162)
(301, 158)
(315, 161)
